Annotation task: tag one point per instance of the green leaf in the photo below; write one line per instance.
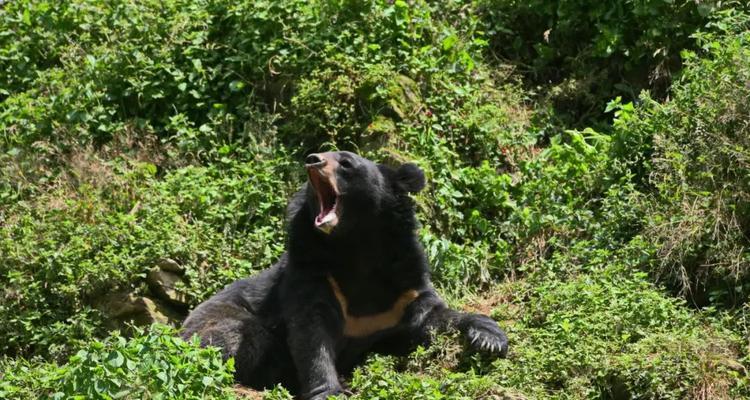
(236, 86)
(449, 42)
(115, 359)
(197, 64)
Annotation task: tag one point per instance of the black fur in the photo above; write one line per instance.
(285, 325)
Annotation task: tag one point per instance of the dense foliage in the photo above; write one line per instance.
(155, 364)
(591, 51)
(158, 141)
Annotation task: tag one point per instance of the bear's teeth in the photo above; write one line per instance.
(328, 217)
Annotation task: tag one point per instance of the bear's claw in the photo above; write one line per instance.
(486, 336)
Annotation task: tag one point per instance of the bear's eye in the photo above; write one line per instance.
(346, 164)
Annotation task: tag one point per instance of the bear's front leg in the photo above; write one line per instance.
(313, 331)
(429, 313)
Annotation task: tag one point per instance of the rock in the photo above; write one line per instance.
(123, 307)
(378, 133)
(404, 102)
(163, 285)
(404, 98)
(168, 264)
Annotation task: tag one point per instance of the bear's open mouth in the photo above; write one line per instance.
(327, 193)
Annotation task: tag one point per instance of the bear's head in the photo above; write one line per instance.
(346, 191)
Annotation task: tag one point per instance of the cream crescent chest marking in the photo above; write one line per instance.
(370, 324)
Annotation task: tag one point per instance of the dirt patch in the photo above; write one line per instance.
(243, 392)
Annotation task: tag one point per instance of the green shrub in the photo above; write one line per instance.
(379, 380)
(152, 364)
(592, 51)
(108, 68)
(699, 170)
(492, 224)
(677, 365)
(67, 248)
(611, 333)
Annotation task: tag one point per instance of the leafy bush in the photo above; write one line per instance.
(152, 364)
(67, 248)
(611, 333)
(592, 51)
(699, 170)
(379, 380)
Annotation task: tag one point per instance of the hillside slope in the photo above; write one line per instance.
(588, 184)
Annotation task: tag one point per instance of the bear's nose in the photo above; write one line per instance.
(314, 160)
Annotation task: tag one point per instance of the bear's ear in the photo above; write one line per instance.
(410, 178)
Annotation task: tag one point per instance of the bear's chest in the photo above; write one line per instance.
(364, 317)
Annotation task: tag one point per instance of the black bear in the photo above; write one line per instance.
(354, 279)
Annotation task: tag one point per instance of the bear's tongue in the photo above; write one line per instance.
(325, 216)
